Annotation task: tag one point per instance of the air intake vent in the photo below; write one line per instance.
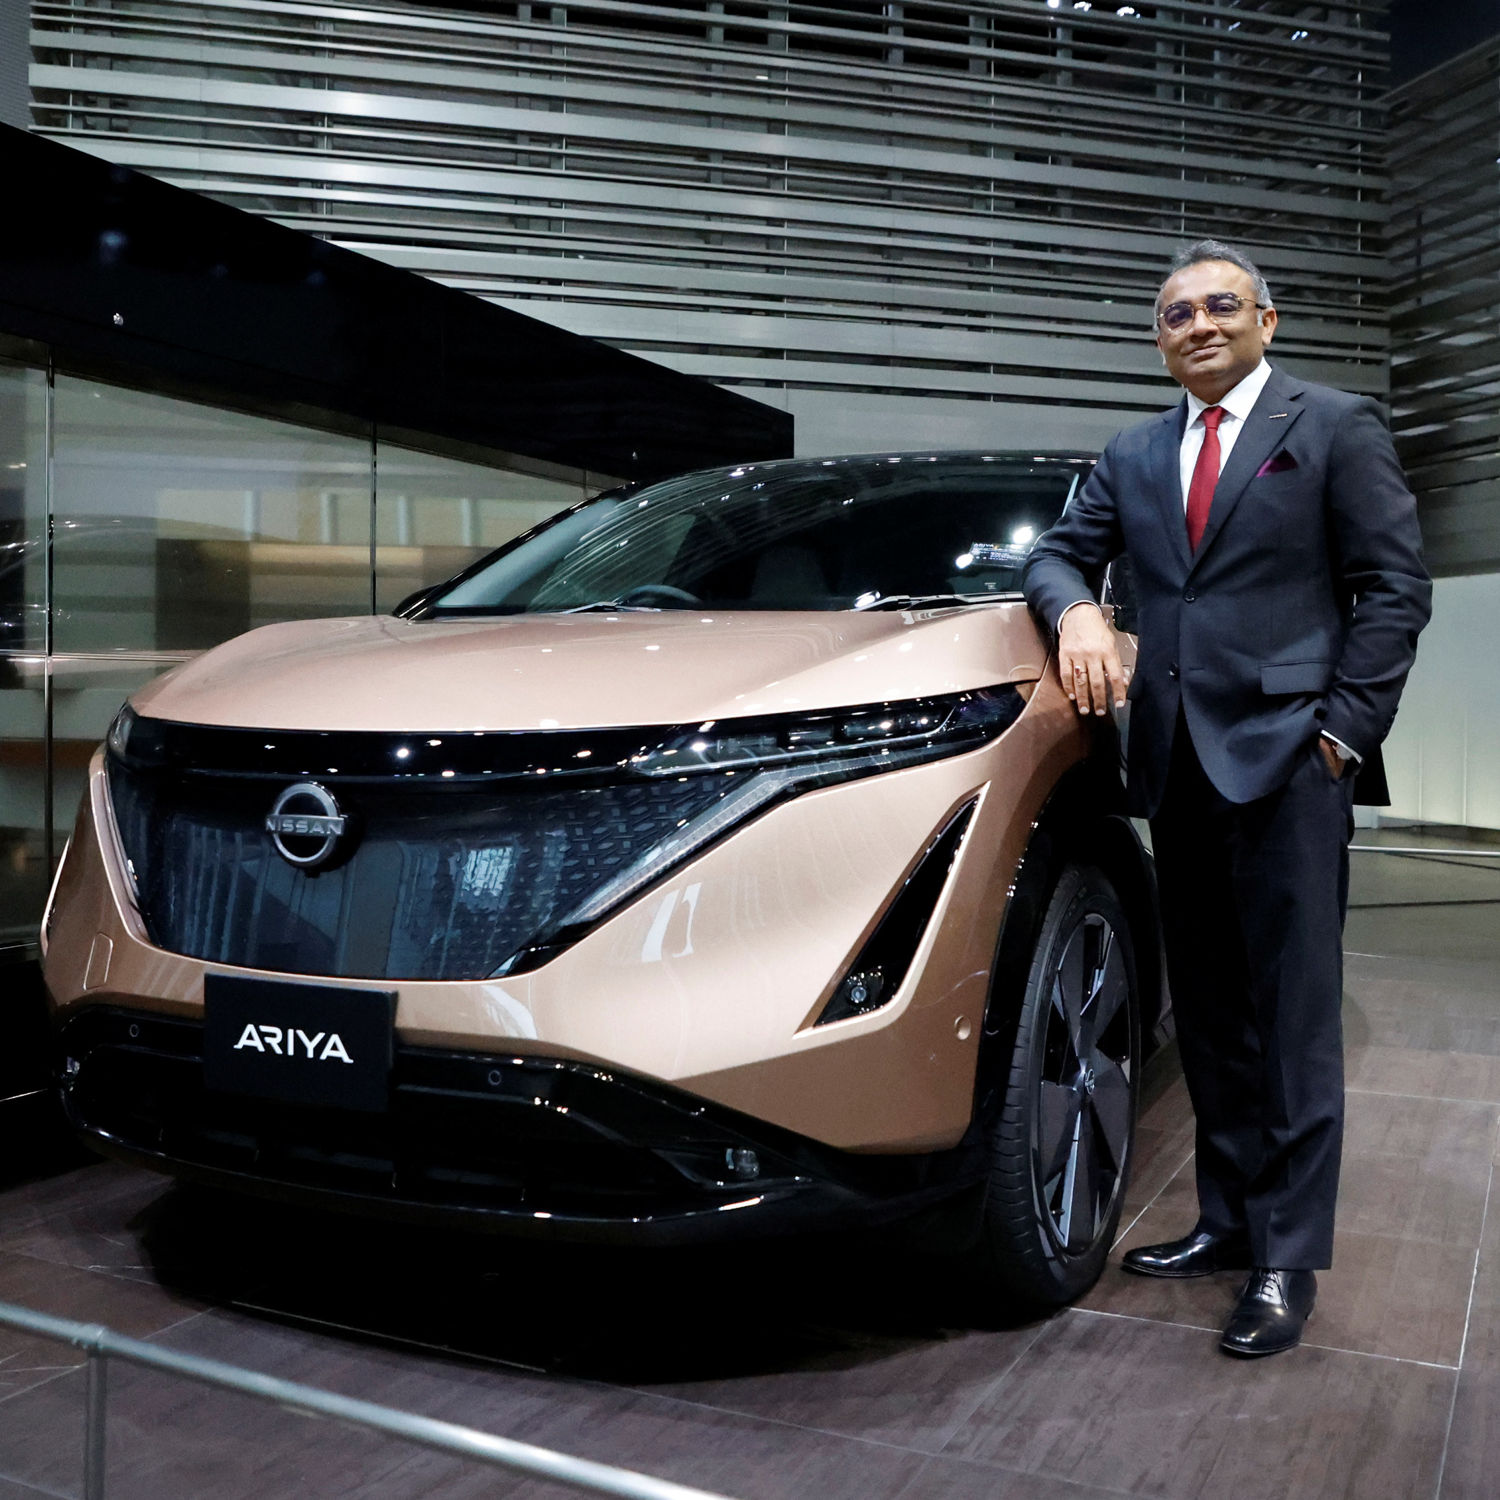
(877, 973)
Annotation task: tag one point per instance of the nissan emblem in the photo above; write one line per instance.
(306, 825)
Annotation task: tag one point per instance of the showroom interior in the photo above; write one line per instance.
(305, 307)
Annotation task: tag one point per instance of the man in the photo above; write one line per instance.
(1277, 565)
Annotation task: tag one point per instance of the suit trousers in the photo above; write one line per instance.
(1253, 897)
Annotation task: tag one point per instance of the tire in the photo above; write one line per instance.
(1060, 1146)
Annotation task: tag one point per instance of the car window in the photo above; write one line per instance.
(804, 534)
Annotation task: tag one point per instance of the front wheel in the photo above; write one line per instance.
(1060, 1147)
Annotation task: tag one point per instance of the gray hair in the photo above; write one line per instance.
(1202, 250)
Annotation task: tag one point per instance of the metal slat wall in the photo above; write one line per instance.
(1445, 315)
(909, 223)
(15, 97)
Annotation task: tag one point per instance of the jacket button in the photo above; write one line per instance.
(1188, 597)
(1172, 671)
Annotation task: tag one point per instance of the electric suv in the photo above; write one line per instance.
(719, 858)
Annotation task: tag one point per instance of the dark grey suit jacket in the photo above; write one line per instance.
(1299, 611)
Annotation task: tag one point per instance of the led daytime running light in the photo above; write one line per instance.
(944, 724)
(959, 723)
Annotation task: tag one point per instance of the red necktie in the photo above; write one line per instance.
(1205, 476)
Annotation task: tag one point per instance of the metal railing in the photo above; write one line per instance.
(1423, 849)
(102, 1344)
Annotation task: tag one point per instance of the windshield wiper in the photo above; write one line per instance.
(613, 606)
(917, 601)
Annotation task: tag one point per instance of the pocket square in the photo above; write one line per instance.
(1278, 463)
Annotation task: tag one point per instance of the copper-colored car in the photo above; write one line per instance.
(719, 857)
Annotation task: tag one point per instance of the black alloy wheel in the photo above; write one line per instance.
(1060, 1148)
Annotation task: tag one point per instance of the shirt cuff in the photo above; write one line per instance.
(1346, 752)
(1064, 615)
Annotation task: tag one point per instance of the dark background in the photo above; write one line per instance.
(129, 279)
(1425, 33)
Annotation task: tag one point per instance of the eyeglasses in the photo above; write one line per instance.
(1222, 307)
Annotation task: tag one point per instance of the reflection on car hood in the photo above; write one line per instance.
(582, 671)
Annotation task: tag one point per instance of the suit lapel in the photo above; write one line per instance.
(1265, 431)
(1166, 474)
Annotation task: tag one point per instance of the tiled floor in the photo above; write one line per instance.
(839, 1368)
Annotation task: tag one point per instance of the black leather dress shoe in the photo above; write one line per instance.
(1271, 1313)
(1196, 1254)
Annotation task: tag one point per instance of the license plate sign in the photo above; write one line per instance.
(302, 1043)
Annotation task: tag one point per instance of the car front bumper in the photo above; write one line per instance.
(524, 1145)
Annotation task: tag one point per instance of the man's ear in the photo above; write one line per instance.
(1267, 327)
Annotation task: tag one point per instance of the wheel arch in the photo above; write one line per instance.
(1082, 822)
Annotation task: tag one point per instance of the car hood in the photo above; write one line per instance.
(589, 670)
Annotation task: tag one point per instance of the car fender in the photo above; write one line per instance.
(1082, 822)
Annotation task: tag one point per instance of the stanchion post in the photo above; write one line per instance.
(94, 1432)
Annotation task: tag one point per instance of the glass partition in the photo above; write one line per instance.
(23, 508)
(174, 526)
(177, 526)
(24, 867)
(435, 515)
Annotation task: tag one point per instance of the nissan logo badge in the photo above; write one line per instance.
(306, 825)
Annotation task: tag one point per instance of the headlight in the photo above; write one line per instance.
(859, 740)
(118, 738)
(789, 753)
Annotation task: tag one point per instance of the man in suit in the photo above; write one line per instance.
(1277, 565)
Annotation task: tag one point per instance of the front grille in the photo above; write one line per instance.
(443, 882)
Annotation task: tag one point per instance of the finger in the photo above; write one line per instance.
(1080, 685)
(1098, 685)
(1070, 670)
(1118, 677)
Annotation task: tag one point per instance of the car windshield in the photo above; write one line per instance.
(795, 534)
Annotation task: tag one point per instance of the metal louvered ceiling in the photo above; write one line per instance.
(940, 222)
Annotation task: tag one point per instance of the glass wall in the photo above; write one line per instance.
(24, 868)
(435, 515)
(177, 526)
(174, 526)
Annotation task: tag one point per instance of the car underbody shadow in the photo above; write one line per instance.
(623, 1315)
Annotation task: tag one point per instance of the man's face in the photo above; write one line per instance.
(1207, 357)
